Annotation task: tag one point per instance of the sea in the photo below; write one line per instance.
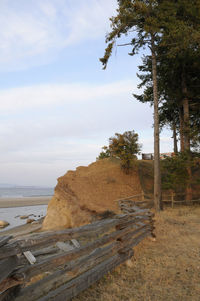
(25, 191)
(12, 215)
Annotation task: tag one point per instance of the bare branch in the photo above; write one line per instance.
(125, 44)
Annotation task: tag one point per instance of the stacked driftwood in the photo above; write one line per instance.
(59, 265)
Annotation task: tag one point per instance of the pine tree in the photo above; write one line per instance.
(141, 18)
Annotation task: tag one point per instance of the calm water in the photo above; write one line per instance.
(12, 215)
(27, 191)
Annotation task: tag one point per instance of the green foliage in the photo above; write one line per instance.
(175, 172)
(124, 147)
(171, 29)
(138, 17)
(170, 90)
(105, 153)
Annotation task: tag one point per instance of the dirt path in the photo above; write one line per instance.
(165, 270)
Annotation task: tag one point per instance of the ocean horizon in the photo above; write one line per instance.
(25, 191)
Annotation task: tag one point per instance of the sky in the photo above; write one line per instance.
(58, 107)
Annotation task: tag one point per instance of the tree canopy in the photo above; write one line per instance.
(139, 20)
(124, 147)
(169, 76)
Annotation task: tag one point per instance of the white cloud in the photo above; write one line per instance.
(166, 142)
(48, 114)
(63, 125)
(32, 32)
(59, 94)
(53, 128)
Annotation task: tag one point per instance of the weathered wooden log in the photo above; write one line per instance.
(75, 286)
(45, 251)
(136, 240)
(10, 249)
(133, 221)
(4, 239)
(70, 271)
(60, 259)
(45, 239)
(8, 283)
(75, 266)
(127, 238)
(39, 254)
(7, 266)
(36, 241)
(9, 295)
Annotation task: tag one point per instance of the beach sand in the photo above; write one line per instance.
(22, 202)
(22, 230)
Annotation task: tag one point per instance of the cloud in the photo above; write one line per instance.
(33, 32)
(61, 126)
(59, 94)
(166, 143)
(68, 123)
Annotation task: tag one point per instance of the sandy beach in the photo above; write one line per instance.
(22, 202)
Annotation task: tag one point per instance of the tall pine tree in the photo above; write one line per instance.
(139, 19)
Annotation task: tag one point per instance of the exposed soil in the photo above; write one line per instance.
(167, 269)
(81, 195)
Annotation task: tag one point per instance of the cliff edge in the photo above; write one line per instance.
(86, 193)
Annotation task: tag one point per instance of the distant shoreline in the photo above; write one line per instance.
(25, 201)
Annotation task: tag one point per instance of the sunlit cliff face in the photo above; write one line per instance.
(83, 194)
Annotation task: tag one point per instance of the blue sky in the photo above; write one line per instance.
(58, 107)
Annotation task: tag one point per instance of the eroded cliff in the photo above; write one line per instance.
(83, 195)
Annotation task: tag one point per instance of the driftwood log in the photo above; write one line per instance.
(61, 264)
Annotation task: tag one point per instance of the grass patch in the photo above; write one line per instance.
(165, 270)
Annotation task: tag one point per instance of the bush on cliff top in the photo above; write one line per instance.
(124, 147)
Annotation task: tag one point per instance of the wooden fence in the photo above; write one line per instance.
(179, 199)
(172, 198)
(59, 265)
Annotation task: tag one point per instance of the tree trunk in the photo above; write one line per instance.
(182, 144)
(186, 131)
(186, 118)
(186, 124)
(175, 137)
(187, 147)
(188, 195)
(157, 172)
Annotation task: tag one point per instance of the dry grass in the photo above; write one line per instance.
(167, 269)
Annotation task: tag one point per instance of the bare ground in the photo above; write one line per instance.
(167, 269)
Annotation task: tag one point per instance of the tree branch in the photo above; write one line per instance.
(126, 44)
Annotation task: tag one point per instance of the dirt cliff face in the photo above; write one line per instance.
(82, 195)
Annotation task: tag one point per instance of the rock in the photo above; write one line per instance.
(82, 195)
(24, 216)
(30, 220)
(4, 224)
